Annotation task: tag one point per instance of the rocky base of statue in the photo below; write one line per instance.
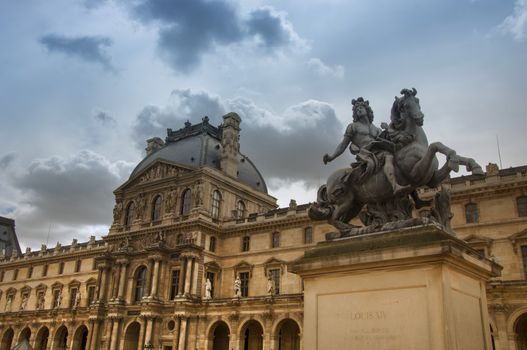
(397, 214)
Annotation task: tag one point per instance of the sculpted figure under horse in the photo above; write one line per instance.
(414, 163)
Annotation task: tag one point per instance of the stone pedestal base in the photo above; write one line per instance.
(417, 288)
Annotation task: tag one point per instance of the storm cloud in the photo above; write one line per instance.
(187, 29)
(74, 191)
(86, 48)
(286, 146)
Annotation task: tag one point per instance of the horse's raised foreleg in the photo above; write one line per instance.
(471, 165)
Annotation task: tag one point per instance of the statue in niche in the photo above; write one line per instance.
(117, 211)
(41, 300)
(208, 289)
(141, 207)
(237, 287)
(170, 200)
(77, 299)
(270, 285)
(8, 303)
(58, 301)
(199, 194)
(23, 304)
(390, 165)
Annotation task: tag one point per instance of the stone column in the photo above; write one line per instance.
(150, 276)
(182, 333)
(122, 280)
(102, 285)
(175, 339)
(188, 275)
(181, 284)
(115, 334)
(195, 274)
(148, 330)
(155, 278)
(94, 338)
(141, 342)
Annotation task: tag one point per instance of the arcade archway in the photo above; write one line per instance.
(251, 336)
(60, 342)
(80, 339)
(287, 335)
(131, 336)
(219, 336)
(41, 340)
(520, 329)
(7, 339)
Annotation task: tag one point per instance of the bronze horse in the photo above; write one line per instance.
(416, 165)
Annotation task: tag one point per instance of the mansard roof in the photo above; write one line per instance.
(197, 146)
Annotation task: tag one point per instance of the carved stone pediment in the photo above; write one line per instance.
(517, 239)
(158, 170)
(243, 266)
(478, 241)
(274, 263)
(212, 266)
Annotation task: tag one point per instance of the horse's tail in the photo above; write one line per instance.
(322, 194)
(321, 210)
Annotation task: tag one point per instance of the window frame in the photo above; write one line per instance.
(240, 209)
(215, 206)
(186, 202)
(244, 286)
(308, 232)
(246, 243)
(275, 239)
(521, 206)
(129, 214)
(140, 283)
(156, 208)
(174, 286)
(212, 244)
(471, 213)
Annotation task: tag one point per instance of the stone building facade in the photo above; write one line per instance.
(197, 258)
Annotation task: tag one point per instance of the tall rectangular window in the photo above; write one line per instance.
(246, 243)
(29, 272)
(244, 278)
(2, 276)
(275, 275)
(524, 258)
(45, 270)
(91, 295)
(15, 274)
(308, 235)
(174, 286)
(471, 213)
(78, 265)
(73, 294)
(275, 240)
(521, 203)
(61, 268)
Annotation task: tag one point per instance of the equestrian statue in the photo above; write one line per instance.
(391, 164)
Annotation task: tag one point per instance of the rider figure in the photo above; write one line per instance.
(364, 142)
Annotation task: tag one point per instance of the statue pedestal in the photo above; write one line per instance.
(415, 288)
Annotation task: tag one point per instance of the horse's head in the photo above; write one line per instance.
(407, 107)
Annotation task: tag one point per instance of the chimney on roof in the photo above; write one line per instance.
(230, 144)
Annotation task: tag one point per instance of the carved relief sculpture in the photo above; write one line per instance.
(23, 304)
(237, 287)
(117, 211)
(270, 285)
(208, 289)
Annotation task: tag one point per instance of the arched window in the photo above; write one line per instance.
(140, 283)
(240, 210)
(216, 200)
(521, 203)
(186, 198)
(471, 213)
(129, 217)
(212, 244)
(156, 209)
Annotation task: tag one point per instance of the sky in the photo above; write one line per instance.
(83, 84)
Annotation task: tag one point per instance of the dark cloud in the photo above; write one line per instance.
(270, 27)
(190, 28)
(72, 192)
(7, 160)
(105, 118)
(288, 146)
(87, 48)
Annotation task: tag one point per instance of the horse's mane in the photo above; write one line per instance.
(397, 122)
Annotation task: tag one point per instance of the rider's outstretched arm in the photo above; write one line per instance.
(340, 149)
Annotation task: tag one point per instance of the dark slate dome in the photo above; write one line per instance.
(200, 145)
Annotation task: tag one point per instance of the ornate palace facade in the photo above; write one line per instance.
(197, 258)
